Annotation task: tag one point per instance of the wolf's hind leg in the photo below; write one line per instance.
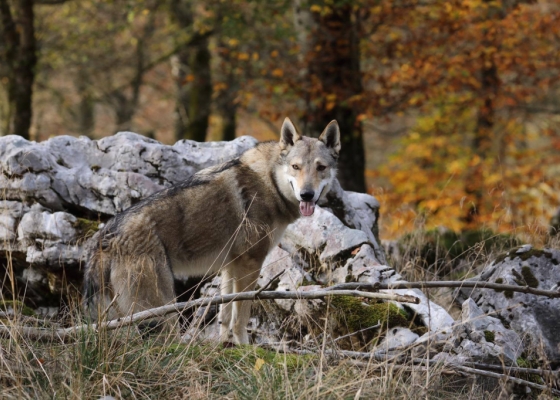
(142, 282)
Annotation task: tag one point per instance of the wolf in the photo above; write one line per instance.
(225, 219)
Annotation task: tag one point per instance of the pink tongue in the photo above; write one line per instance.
(306, 208)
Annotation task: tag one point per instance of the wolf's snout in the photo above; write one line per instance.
(307, 195)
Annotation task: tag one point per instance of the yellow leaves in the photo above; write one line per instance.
(315, 8)
(455, 167)
(233, 42)
(325, 10)
(360, 118)
(277, 73)
(218, 87)
(274, 53)
(243, 56)
(259, 364)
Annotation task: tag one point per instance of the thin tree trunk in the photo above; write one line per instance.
(194, 84)
(85, 114)
(484, 132)
(226, 97)
(483, 138)
(18, 58)
(333, 83)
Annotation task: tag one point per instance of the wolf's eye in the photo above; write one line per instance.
(295, 166)
(321, 167)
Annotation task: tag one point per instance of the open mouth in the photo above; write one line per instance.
(306, 208)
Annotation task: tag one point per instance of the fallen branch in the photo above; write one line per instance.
(62, 334)
(519, 381)
(515, 370)
(444, 284)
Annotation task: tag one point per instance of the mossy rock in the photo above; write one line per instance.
(86, 227)
(355, 315)
(489, 336)
(525, 255)
(17, 306)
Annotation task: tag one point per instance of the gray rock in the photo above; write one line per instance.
(397, 338)
(487, 336)
(324, 233)
(535, 319)
(105, 176)
(55, 192)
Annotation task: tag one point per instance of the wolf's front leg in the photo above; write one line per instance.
(246, 273)
(227, 308)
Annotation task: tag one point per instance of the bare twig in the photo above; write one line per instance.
(490, 374)
(62, 334)
(369, 328)
(270, 282)
(445, 284)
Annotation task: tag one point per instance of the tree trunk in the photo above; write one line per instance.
(229, 122)
(85, 114)
(484, 132)
(194, 85)
(226, 105)
(333, 83)
(18, 57)
(483, 139)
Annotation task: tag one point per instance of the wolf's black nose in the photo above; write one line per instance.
(307, 195)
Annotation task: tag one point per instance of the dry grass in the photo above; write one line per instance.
(127, 364)
(124, 364)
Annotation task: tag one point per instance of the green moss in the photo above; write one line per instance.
(86, 227)
(531, 253)
(356, 315)
(489, 336)
(523, 362)
(499, 281)
(240, 356)
(306, 282)
(508, 293)
(248, 354)
(524, 256)
(529, 277)
(17, 306)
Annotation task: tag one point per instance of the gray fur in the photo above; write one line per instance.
(223, 219)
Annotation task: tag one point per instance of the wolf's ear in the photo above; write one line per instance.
(288, 134)
(331, 136)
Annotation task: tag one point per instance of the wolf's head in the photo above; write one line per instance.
(308, 164)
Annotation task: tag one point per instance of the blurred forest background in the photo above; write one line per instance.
(449, 110)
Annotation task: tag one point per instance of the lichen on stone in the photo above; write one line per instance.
(489, 336)
(528, 277)
(86, 227)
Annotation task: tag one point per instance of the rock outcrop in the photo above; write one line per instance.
(57, 193)
(54, 195)
(535, 319)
